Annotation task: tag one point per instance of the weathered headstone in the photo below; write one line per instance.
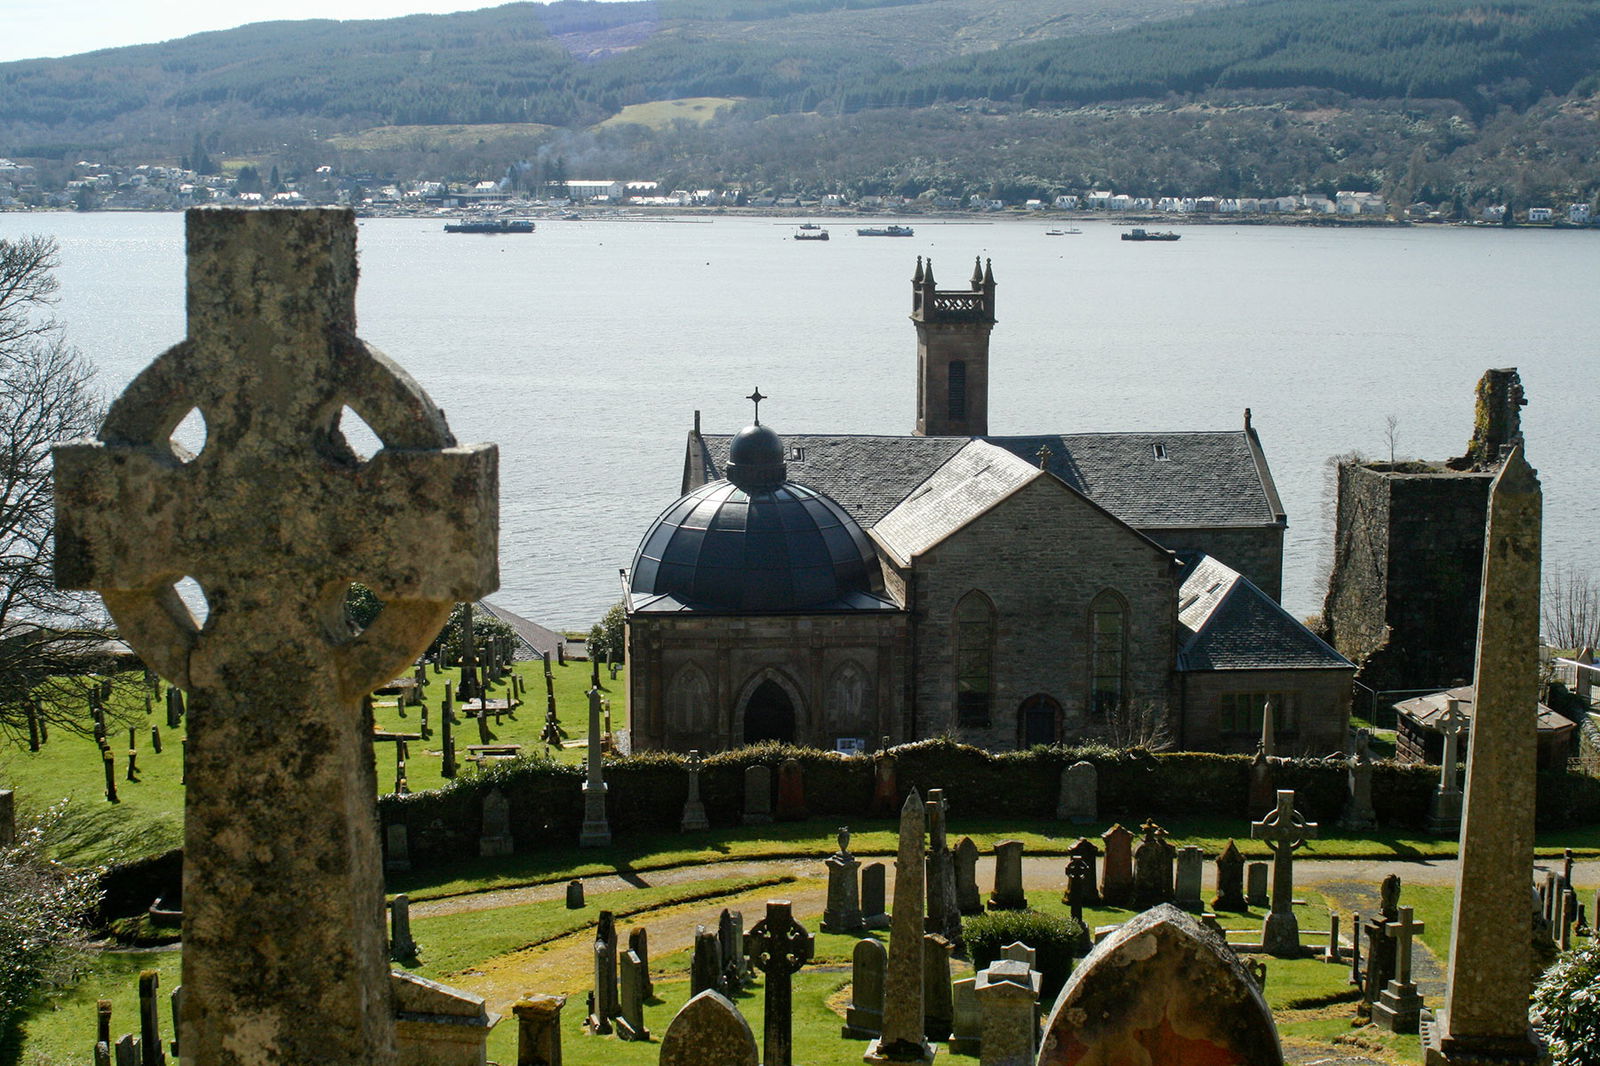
(1382, 949)
(1332, 953)
(175, 1001)
(757, 795)
(639, 944)
(1444, 811)
(1085, 890)
(631, 997)
(8, 817)
(436, 1025)
(966, 1023)
(1152, 867)
(1079, 802)
(863, 1019)
(1159, 975)
(1486, 1005)
(575, 894)
(596, 831)
(274, 520)
(128, 1051)
(730, 942)
(1358, 812)
(694, 811)
(539, 1030)
(495, 836)
(936, 1007)
(447, 736)
(944, 911)
(705, 965)
(605, 975)
(885, 791)
(397, 853)
(102, 1011)
(1116, 873)
(1008, 894)
(1263, 779)
(1257, 896)
(791, 793)
(1188, 884)
(401, 944)
(779, 946)
(874, 905)
(1284, 831)
(1008, 1000)
(1080, 882)
(964, 860)
(709, 1031)
(1399, 1008)
(902, 1039)
(1230, 881)
(843, 911)
(150, 1019)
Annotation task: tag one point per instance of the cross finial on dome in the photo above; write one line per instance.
(756, 398)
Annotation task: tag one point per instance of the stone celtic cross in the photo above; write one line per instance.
(1285, 832)
(779, 946)
(283, 925)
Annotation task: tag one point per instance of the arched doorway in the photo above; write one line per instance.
(769, 714)
(1036, 721)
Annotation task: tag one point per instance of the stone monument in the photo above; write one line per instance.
(779, 946)
(694, 811)
(902, 1039)
(596, 831)
(1444, 813)
(1284, 831)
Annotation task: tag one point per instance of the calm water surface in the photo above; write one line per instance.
(585, 350)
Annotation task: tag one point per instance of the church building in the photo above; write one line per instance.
(835, 590)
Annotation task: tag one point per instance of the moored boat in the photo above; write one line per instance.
(885, 231)
(1140, 234)
(489, 225)
(811, 233)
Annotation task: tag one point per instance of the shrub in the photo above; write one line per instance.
(1056, 940)
(1566, 1007)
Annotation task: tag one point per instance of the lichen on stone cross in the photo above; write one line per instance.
(1284, 832)
(283, 893)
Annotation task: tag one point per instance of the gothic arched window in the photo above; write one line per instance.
(1108, 652)
(974, 659)
(958, 390)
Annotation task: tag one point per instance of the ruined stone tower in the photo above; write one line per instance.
(953, 328)
(1402, 600)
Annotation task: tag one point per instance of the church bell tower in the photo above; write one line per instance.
(953, 329)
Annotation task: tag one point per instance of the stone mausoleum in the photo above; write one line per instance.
(835, 589)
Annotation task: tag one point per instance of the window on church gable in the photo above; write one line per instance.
(958, 390)
(1240, 712)
(974, 659)
(1108, 652)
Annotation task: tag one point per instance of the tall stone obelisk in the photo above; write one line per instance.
(1485, 1017)
(903, 1038)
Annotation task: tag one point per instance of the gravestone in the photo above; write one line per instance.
(757, 795)
(495, 838)
(1284, 831)
(1116, 873)
(1079, 802)
(1017, 951)
(1381, 947)
(1489, 977)
(705, 966)
(902, 1039)
(874, 908)
(1152, 867)
(843, 911)
(709, 1031)
(397, 856)
(1080, 883)
(885, 792)
(1257, 896)
(605, 975)
(438, 1026)
(964, 860)
(1187, 886)
(1332, 953)
(175, 1001)
(102, 1011)
(1444, 812)
(936, 1007)
(730, 942)
(1008, 894)
(639, 944)
(944, 913)
(447, 737)
(1008, 1000)
(630, 999)
(1161, 989)
(1085, 890)
(8, 817)
(128, 1051)
(966, 1023)
(150, 1019)
(791, 793)
(596, 831)
(863, 1019)
(539, 1030)
(1358, 812)
(1230, 881)
(694, 811)
(1399, 1008)
(401, 945)
(1263, 775)
(274, 520)
(779, 946)
(575, 894)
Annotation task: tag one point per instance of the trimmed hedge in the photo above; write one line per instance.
(1055, 939)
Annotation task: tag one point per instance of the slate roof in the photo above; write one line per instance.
(1227, 623)
(1426, 711)
(1204, 479)
(533, 639)
(972, 481)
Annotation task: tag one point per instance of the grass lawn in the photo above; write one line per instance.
(659, 114)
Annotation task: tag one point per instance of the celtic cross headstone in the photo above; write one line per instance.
(779, 946)
(283, 924)
(1285, 832)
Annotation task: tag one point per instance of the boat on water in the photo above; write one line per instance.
(489, 225)
(885, 231)
(1140, 234)
(811, 233)
(809, 225)
(1062, 232)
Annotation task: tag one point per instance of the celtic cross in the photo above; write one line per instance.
(779, 946)
(1285, 832)
(283, 925)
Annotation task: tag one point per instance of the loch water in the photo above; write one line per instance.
(585, 350)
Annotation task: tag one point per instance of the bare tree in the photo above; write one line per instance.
(1137, 724)
(1391, 435)
(1571, 608)
(50, 641)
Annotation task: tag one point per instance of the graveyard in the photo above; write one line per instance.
(392, 861)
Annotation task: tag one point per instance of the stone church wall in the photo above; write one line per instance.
(1254, 551)
(1041, 557)
(1408, 558)
(1317, 703)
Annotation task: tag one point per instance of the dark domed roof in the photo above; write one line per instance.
(757, 543)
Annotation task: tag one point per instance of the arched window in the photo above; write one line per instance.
(958, 390)
(1108, 652)
(974, 659)
(689, 702)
